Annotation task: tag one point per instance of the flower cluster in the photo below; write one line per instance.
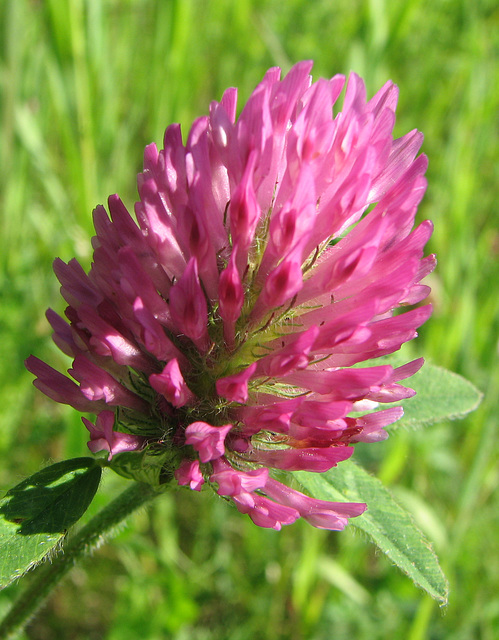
(269, 254)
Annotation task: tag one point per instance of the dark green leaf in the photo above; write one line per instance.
(35, 514)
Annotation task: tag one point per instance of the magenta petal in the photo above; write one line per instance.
(171, 384)
(294, 356)
(272, 417)
(235, 388)
(281, 285)
(188, 306)
(244, 211)
(372, 425)
(190, 474)
(232, 482)
(207, 440)
(98, 384)
(103, 437)
(230, 291)
(153, 334)
(60, 388)
(309, 459)
(319, 513)
(266, 513)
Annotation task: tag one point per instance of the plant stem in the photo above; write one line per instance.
(91, 536)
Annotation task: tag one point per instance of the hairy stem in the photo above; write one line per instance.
(91, 536)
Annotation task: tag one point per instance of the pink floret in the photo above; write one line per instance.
(104, 438)
(273, 255)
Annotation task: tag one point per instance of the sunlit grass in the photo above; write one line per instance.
(84, 86)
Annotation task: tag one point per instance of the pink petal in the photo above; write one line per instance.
(230, 292)
(310, 459)
(244, 211)
(60, 388)
(189, 473)
(265, 512)
(97, 384)
(234, 388)
(171, 384)
(232, 482)
(103, 437)
(319, 513)
(207, 440)
(188, 306)
(294, 356)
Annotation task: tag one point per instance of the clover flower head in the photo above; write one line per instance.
(271, 254)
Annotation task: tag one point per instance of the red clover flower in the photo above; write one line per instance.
(219, 333)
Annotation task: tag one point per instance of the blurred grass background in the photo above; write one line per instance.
(85, 84)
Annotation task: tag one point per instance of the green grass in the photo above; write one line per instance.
(84, 86)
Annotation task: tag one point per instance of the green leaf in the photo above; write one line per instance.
(143, 466)
(389, 526)
(35, 514)
(440, 395)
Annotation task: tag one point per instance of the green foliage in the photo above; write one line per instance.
(389, 526)
(440, 395)
(143, 466)
(84, 86)
(35, 514)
